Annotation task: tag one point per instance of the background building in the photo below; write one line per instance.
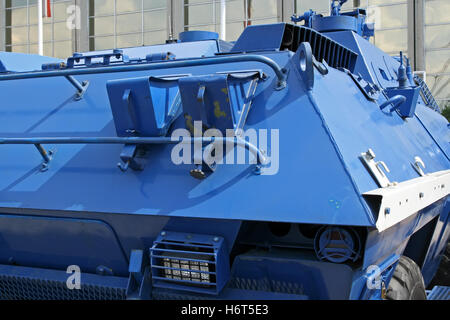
(420, 28)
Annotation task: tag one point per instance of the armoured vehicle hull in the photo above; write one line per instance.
(346, 170)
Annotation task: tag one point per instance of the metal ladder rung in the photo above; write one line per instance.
(427, 95)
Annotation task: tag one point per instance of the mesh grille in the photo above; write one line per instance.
(188, 264)
(23, 288)
(266, 285)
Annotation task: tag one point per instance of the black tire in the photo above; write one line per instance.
(442, 276)
(407, 282)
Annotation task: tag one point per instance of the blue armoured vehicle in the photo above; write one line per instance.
(299, 162)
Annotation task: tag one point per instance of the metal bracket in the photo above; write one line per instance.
(81, 87)
(320, 66)
(376, 168)
(418, 165)
(128, 157)
(370, 90)
(79, 59)
(399, 202)
(139, 282)
(239, 127)
(202, 170)
(46, 156)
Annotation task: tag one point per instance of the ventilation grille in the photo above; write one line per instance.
(323, 48)
(25, 288)
(284, 36)
(191, 265)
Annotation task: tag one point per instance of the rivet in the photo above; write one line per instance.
(258, 170)
(387, 211)
(421, 195)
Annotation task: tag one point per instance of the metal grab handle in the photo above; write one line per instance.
(396, 101)
(418, 162)
(381, 164)
(259, 154)
(280, 72)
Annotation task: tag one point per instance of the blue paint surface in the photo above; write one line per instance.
(84, 210)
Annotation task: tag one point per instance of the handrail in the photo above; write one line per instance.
(280, 72)
(395, 101)
(259, 155)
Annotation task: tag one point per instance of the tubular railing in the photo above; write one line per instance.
(280, 72)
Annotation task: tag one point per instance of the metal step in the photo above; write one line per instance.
(427, 95)
(439, 293)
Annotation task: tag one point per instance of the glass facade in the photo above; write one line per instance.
(21, 28)
(205, 15)
(389, 16)
(437, 48)
(126, 23)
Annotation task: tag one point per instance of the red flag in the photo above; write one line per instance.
(46, 8)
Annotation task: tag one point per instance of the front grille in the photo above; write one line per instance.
(27, 283)
(22, 288)
(195, 264)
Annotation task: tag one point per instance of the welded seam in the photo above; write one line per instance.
(432, 137)
(340, 156)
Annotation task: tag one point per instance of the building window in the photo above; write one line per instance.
(126, 23)
(321, 7)
(437, 49)
(205, 15)
(389, 16)
(21, 28)
(391, 24)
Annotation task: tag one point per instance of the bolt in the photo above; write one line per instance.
(163, 233)
(44, 167)
(383, 290)
(258, 170)
(216, 239)
(370, 154)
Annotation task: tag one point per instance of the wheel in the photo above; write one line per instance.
(442, 276)
(407, 282)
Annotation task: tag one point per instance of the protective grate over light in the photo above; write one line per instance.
(194, 274)
(189, 262)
